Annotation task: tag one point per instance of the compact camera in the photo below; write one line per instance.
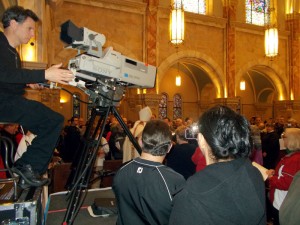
(192, 132)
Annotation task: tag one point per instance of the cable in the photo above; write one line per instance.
(51, 86)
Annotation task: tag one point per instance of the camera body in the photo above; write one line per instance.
(92, 63)
(191, 133)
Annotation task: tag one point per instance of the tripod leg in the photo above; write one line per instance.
(127, 131)
(91, 143)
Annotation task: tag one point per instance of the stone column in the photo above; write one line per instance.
(293, 24)
(151, 34)
(229, 12)
(152, 31)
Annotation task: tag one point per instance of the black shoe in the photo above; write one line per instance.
(28, 176)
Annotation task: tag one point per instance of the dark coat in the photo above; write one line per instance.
(226, 193)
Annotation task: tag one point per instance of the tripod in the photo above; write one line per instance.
(87, 156)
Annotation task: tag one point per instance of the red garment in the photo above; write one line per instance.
(108, 136)
(291, 165)
(19, 137)
(2, 173)
(199, 159)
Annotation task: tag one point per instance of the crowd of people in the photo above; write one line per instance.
(223, 151)
(175, 179)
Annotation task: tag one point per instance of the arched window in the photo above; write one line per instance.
(257, 12)
(177, 106)
(195, 6)
(76, 105)
(163, 106)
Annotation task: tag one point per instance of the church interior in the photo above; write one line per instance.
(223, 48)
(222, 53)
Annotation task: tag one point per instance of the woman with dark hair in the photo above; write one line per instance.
(229, 190)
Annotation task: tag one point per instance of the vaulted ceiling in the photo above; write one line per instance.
(257, 80)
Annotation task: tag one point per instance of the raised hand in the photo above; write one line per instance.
(58, 75)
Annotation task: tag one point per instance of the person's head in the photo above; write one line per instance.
(153, 117)
(21, 23)
(11, 128)
(167, 121)
(270, 127)
(116, 128)
(252, 120)
(178, 122)
(258, 120)
(129, 124)
(225, 133)
(81, 122)
(74, 121)
(124, 120)
(281, 120)
(180, 134)
(188, 121)
(261, 126)
(156, 138)
(291, 139)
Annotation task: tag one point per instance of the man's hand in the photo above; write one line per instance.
(57, 75)
(270, 173)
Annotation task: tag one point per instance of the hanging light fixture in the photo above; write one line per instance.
(271, 35)
(271, 42)
(176, 22)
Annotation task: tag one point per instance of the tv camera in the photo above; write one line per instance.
(103, 74)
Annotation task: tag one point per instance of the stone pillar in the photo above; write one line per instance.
(152, 35)
(229, 12)
(293, 24)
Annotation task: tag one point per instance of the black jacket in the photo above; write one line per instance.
(13, 79)
(180, 159)
(225, 193)
(144, 191)
(270, 145)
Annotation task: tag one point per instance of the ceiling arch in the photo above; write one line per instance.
(198, 66)
(260, 84)
(264, 75)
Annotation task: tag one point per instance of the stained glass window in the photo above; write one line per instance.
(194, 6)
(257, 12)
(177, 107)
(163, 106)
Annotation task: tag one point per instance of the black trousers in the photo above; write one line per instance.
(38, 119)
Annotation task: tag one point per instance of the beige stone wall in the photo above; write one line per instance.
(123, 28)
(225, 49)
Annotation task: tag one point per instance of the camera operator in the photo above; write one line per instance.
(19, 28)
